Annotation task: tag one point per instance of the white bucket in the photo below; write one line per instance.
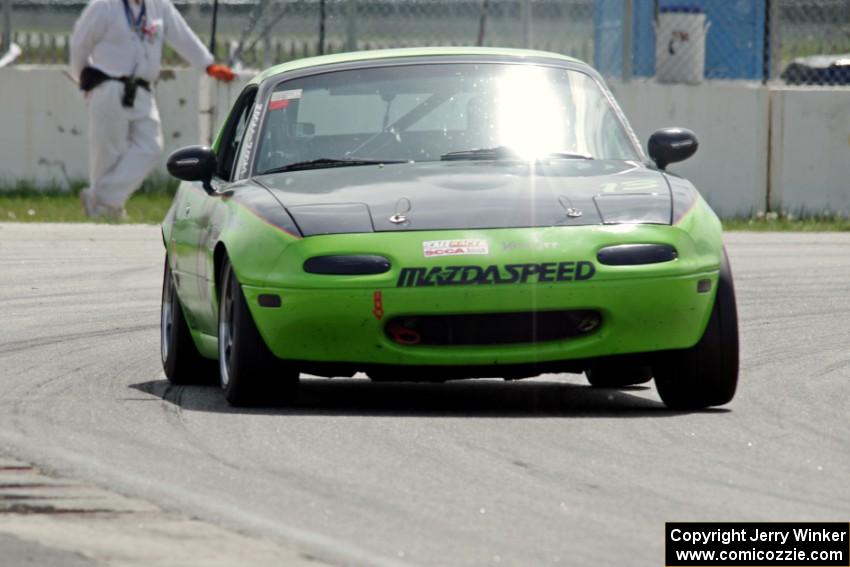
(680, 47)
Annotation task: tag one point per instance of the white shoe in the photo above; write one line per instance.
(96, 210)
(115, 214)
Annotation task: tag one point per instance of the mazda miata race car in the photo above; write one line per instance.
(432, 214)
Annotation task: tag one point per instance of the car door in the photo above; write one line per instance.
(182, 246)
(232, 154)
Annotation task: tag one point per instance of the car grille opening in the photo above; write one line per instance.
(492, 328)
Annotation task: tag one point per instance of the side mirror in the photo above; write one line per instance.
(670, 145)
(195, 163)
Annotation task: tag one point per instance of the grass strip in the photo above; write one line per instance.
(145, 208)
(769, 223)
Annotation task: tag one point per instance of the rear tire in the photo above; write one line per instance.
(250, 374)
(706, 374)
(181, 361)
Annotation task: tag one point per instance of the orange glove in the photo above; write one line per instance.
(221, 72)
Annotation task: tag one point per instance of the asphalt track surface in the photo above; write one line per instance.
(545, 471)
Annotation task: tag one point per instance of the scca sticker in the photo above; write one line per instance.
(462, 247)
(547, 272)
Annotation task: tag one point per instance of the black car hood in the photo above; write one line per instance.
(471, 195)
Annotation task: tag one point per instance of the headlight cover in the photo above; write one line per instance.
(636, 254)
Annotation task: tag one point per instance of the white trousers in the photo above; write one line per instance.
(125, 144)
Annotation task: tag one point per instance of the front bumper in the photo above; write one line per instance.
(336, 319)
(638, 315)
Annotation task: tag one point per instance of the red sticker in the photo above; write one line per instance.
(378, 311)
(280, 99)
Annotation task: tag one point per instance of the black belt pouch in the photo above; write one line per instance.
(91, 78)
(130, 87)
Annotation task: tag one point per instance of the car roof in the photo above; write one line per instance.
(355, 56)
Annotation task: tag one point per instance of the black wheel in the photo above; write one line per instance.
(617, 375)
(181, 361)
(250, 373)
(706, 374)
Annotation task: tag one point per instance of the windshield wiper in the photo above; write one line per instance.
(505, 152)
(321, 163)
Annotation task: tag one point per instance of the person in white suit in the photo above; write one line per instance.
(116, 52)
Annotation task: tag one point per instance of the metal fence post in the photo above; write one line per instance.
(526, 24)
(214, 29)
(267, 48)
(351, 25)
(482, 22)
(7, 26)
(773, 52)
(628, 41)
(322, 18)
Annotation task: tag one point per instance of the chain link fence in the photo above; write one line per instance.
(688, 41)
(680, 42)
(277, 31)
(813, 41)
(263, 32)
(675, 41)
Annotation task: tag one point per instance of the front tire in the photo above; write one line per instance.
(249, 372)
(706, 374)
(181, 361)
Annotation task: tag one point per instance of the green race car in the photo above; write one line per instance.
(442, 213)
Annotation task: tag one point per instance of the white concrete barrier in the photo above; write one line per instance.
(44, 120)
(731, 123)
(216, 100)
(44, 124)
(786, 148)
(810, 150)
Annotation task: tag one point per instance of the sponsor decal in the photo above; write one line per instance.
(546, 272)
(281, 99)
(460, 247)
(248, 143)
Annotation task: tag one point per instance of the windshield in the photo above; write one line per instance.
(439, 111)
